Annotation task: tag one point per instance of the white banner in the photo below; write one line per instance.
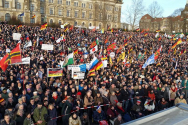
(16, 36)
(78, 75)
(8, 50)
(47, 47)
(70, 67)
(24, 61)
(105, 62)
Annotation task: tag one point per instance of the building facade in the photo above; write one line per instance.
(85, 13)
(178, 24)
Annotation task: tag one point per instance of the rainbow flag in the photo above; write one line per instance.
(178, 42)
(145, 34)
(33, 17)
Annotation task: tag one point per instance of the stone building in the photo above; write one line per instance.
(169, 24)
(100, 13)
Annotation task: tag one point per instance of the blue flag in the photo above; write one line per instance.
(22, 14)
(149, 61)
(83, 68)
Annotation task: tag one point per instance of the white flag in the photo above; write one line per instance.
(156, 35)
(104, 62)
(59, 40)
(24, 61)
(47, 47)
(28, 44)
(94, 49)
(16, 36)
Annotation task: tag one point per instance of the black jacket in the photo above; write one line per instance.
(124, 94)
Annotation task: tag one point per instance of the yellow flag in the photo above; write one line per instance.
(110, 60)
(122, 56)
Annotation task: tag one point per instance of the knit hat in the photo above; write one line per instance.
(98, 107)
(2, 99)
(138, 101)
(79, 93)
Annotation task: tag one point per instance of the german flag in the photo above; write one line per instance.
(125, 44)
(184, 51)
(42, 27)
(92, 74)
(104, 58)
(130, 37)
(55, 72)
(33, 17)
(112, 30)
(174, 51)
(158, 31)
(71, 28)
(145, 34)
(130, 50)
(19, 26)
(181, 52)
(111, 47)
(93, 44)
(99, 65)
(45, 24)
(178, 42)
(137, 30)
(158, 64)
(92, 70)
(75, 52)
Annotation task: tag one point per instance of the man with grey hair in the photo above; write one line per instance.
(119, 120)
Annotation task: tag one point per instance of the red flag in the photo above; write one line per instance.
(111, 47)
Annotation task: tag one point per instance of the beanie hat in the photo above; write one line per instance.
(98, 107)
(79, 93)
(138, 101)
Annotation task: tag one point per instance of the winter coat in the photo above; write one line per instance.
(87, 101)
(97, 100)
(85, 121)
(151, 95)
(66, 108)
(102, 91)
(137, 108)
(99, 116)
(75, 122)
(110, 112)
(163, 94)
(172, 95)
(19, 120)
(39, 114)
(118, 95)
(31, 108)
(52, 114)
(125, 94)
(28, 121)
(178, 100)
(12, 122)
(112, 99)
(163, 105)
(117, 122)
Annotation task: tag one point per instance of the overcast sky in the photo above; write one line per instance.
(168, 5)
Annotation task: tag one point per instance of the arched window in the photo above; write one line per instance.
(59, 22)
(20, 18)
(42, 20)
(75, 23)
(18, 5)
(115, 26)
(32, 20)
(90, 24)
(51, 21)
(99, 26)
(83, 24)
(7, 17)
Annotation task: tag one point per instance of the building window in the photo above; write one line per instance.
(100, 7)
(51, 21)
(59, 22)
(115, 26)
(76, 14)
(32, 20)
(6, 4)
(51, 1)
(68, 3)
(20, 18)
(99, 26)
(90, 16)
(7, 17)
(42, 0)
(51, 11)
(32, 7)
(68, 13)
(109, 17)
(116, 8)
(83, 14)
(75, 4)
(75, 23)
(90, 24)
(100, 16)
(60, 12)
(90, 6)
(83, 5)
(115, 18)
(59, 1)
(41, 10)
(42, 20)
(83, 24)
(18, 5)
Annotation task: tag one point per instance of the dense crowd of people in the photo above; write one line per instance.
(118, 93)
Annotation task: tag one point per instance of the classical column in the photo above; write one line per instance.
(13, 4)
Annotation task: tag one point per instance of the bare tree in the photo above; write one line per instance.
(155, 10)
(177, 12)
(134, 12)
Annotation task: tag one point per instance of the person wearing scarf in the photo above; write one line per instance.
(126, 117)
(163, 104)
(173, 91)
(28, 120)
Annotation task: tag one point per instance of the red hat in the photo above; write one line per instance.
(79, 93)
(138, 101)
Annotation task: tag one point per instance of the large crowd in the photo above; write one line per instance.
(118, 93)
